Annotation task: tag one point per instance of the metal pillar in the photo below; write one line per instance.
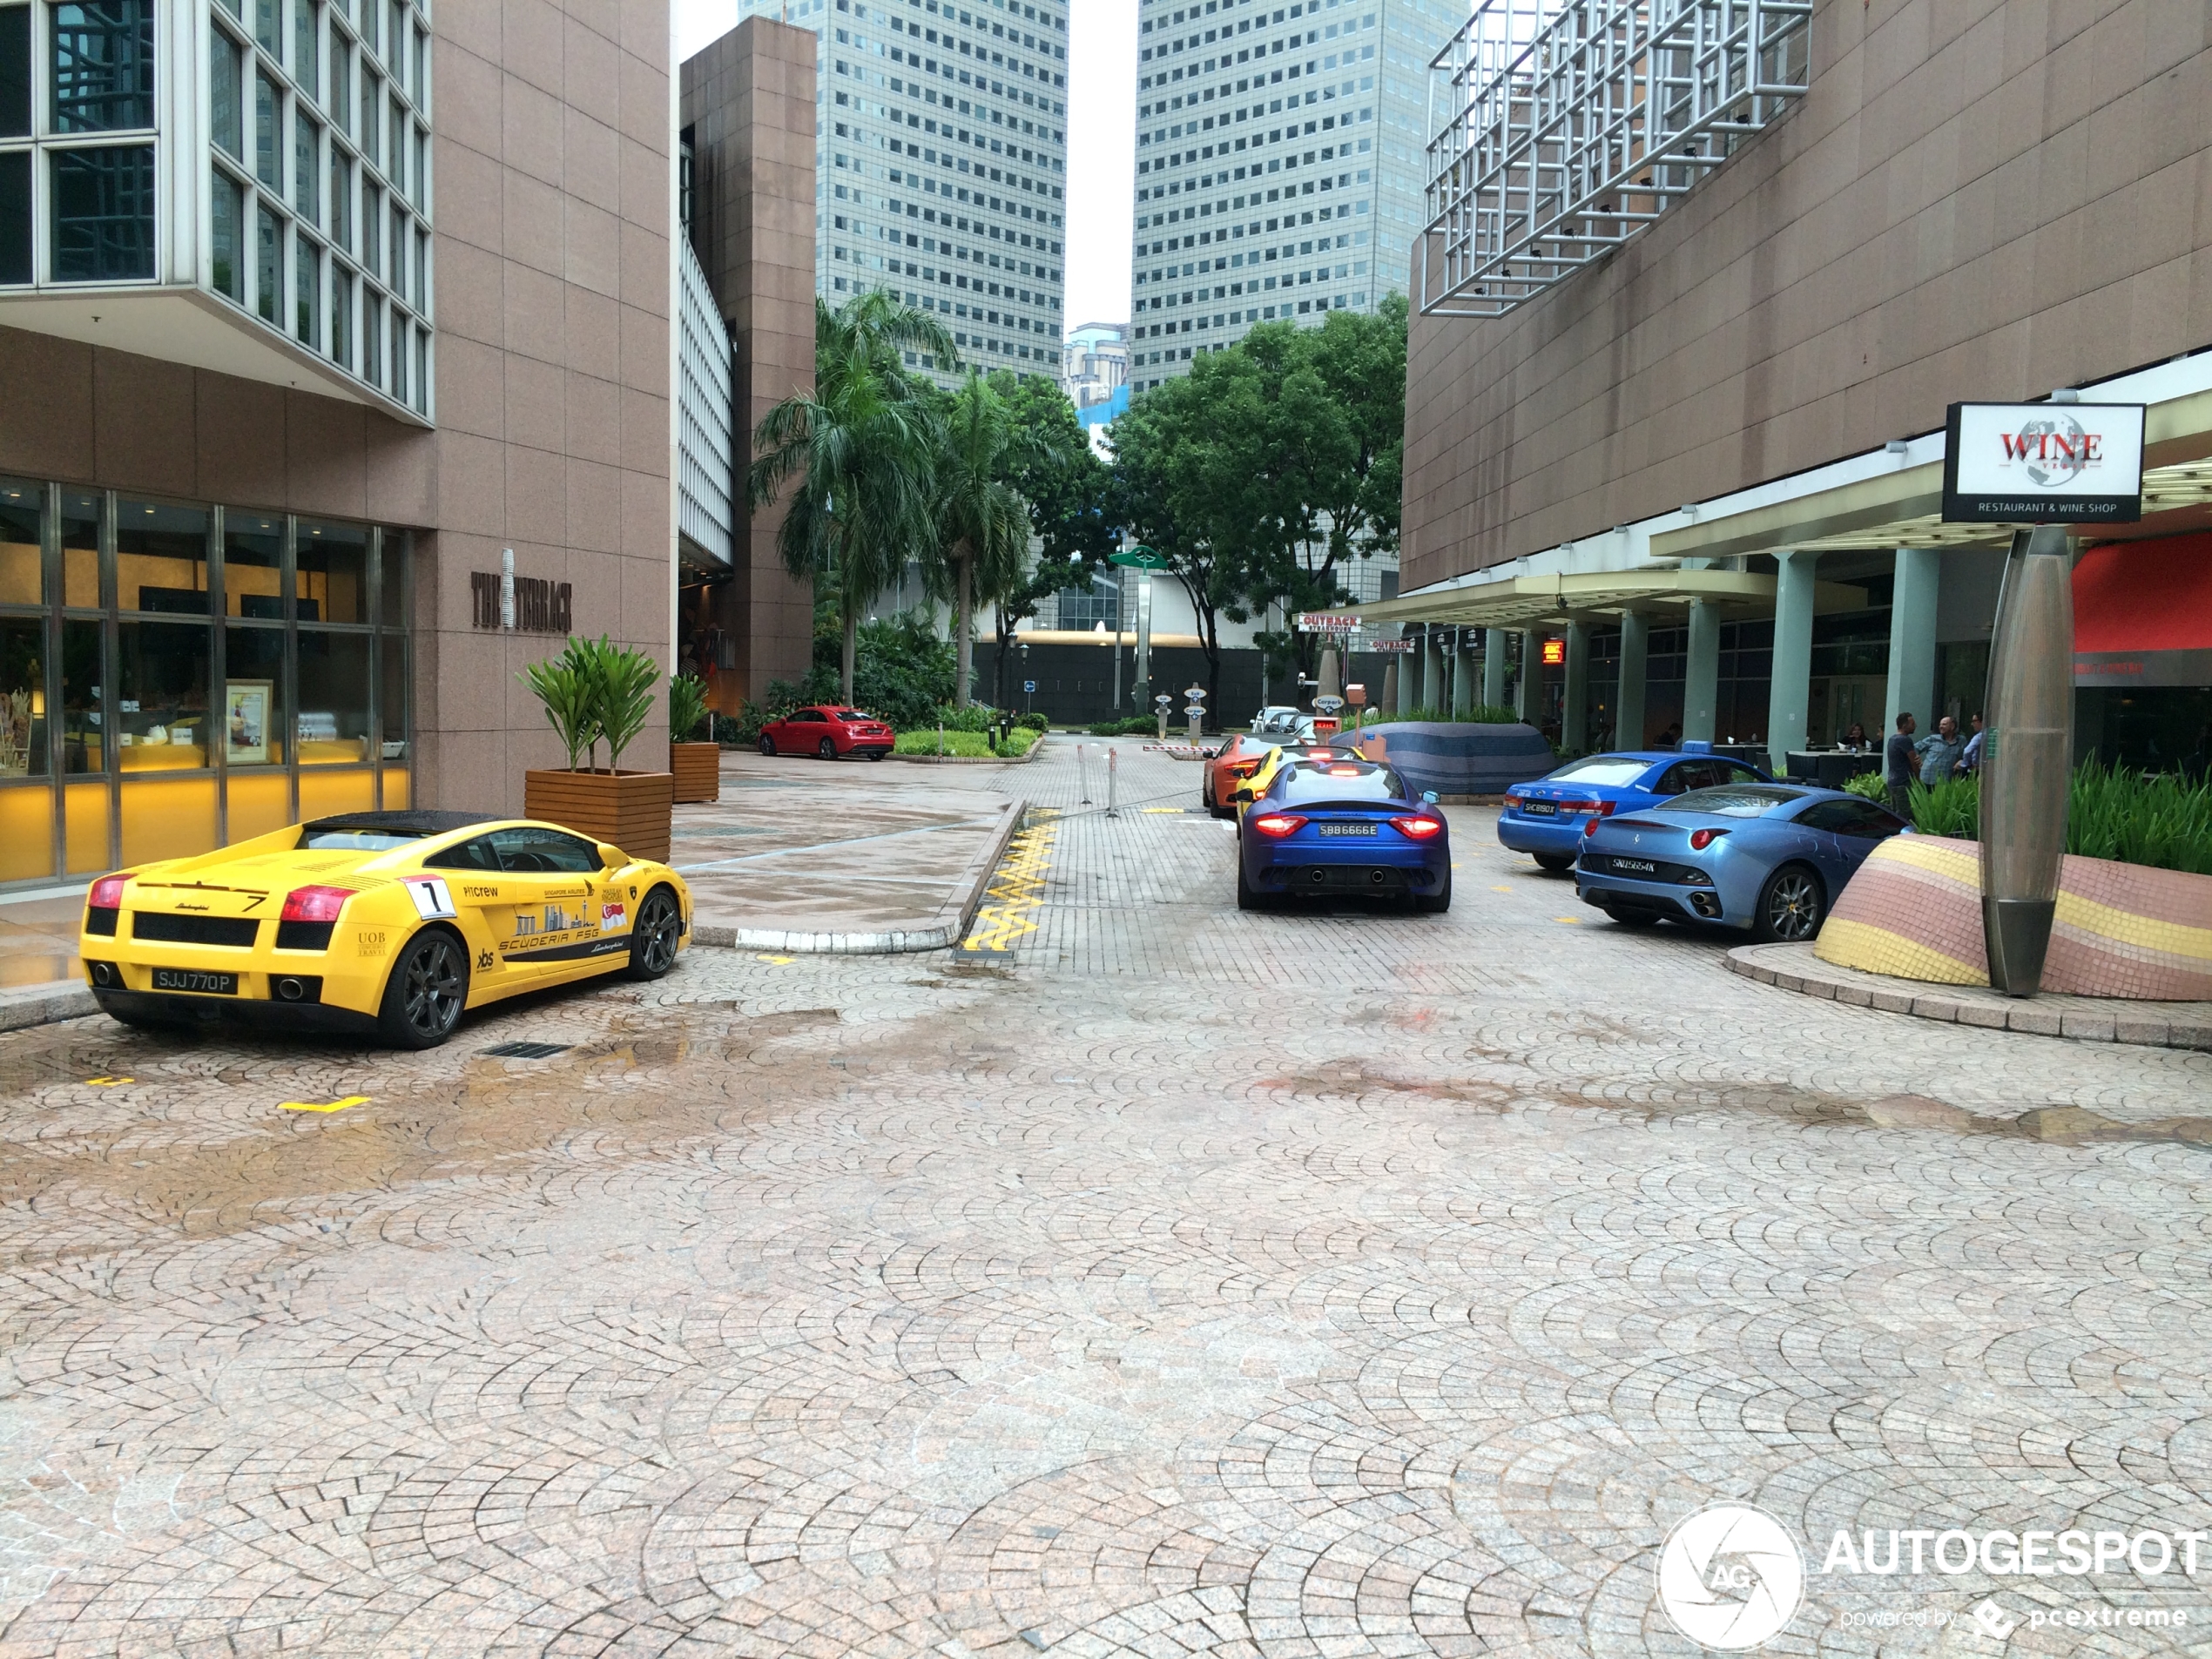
(1701, 691)
(1432, 669)
(1390, 684)
(1494, 667)
(1628, 701)
(1792, 682)
(1462, 674)
(1575, 716)
(2027, 757)
(1913, 637)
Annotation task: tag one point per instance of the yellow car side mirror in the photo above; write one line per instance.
(611, 857)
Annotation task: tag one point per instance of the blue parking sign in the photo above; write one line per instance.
(1029, 687)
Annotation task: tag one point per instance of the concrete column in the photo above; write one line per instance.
(1494, 667)
(1462, 674)
(1575, 716)
(1531, 675)
(1389, 705)
(1701, 691)
(1792, 682)
(1913, 637)
(1627, 701)
(1432, 669)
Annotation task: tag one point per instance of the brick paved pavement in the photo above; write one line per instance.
(1197, 1282)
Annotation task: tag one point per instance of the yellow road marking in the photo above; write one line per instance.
(321, 1106)
(778, 961)
(1177, 811)
(107, 1082)
(1572, 921)
(1017, 888)
(1501, 889)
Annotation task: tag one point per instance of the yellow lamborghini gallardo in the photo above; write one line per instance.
(376, 923)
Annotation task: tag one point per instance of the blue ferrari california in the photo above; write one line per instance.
(1770, 858)
(1343, 828)
(1545, 818)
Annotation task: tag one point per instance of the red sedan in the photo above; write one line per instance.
(831, 734)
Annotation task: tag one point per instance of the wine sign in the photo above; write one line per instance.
(2043, 463)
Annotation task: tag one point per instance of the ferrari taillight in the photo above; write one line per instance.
(1702, 839)
(314, 904)
(1275, 825)
(1418, 829)
(107, 894)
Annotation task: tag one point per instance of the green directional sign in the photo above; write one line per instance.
(1139, 557)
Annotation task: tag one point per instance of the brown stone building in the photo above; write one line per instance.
(1707, 453)
(294, 354)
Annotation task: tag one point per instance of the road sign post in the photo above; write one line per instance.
(1195, 708)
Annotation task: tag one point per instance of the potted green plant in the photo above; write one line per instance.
(697, 765)
(595, 691)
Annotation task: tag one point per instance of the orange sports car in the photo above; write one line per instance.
(1246, 755)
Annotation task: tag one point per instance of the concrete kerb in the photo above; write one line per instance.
(945, 931)
(2073, 1019)
(26, 1005)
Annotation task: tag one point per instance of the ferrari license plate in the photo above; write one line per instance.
(1348, 829)
(191, 979)
(1636, 866)
(1539, 809)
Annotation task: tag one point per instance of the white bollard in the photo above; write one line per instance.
(1082, 774)
(1113, 763)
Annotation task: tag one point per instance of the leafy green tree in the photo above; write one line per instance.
(1065, 486)
(982, 522)
(861, 450)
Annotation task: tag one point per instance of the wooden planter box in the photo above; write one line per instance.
(697, 767)
(629, 809)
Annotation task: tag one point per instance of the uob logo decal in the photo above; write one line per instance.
(1731, 1576)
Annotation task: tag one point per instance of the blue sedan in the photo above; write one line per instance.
(1343, 828)
(1545, 818)
(1769, 858)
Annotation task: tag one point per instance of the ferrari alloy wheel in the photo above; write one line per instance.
(1790, 905)
(767, 744)
(427, 989)
(652, 941)
(828, 749)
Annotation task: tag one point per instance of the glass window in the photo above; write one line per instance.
(103, 214)
(391, 695)
(421, 371)
(341, 84)
(161, 685)
(103, 56)
(396, 546)
(306, 173)
(22, 697)
(333, 722)
(255, 726)
(372, 104)
(268, 26)
(421, 275)
(161, 557)
(306, 272)
(253, 564)
(422, 167)
(15, 71)
(268, 134)
(341, 199)
(398, 354)
(475, 853)
(306, 60)
(21, 572)
(398, 130)
(332, 566)
(372, 337)
(543, 851)
(225, 92)
(398, 250)
(368, 23)
(269, 267)
(395, 39)
(80, 549)
(226, 220)
(82, 745)
(342, 318)
(372, 223)
(421, 82)
(14, 217)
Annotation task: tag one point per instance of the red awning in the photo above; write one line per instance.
(2145, 596)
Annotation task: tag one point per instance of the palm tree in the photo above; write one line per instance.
(863, 445)
(982, 522)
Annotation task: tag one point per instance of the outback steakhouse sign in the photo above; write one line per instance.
(2043, 463)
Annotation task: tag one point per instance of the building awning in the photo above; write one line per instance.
(1537, 601)
(2142, 613)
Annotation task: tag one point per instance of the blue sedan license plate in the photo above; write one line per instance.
(1539, 809)
(191, 979)
(1348, 829)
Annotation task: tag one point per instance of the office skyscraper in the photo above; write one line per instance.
(942, 164)
(1279, 160)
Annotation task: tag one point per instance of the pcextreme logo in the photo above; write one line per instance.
(1731, 1576)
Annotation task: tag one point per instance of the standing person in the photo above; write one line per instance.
(1899, 762)
(1941, 751)
(1971, 761)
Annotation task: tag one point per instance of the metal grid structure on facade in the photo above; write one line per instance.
(1566, 128)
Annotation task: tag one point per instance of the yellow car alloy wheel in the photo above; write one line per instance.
(427, 990)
